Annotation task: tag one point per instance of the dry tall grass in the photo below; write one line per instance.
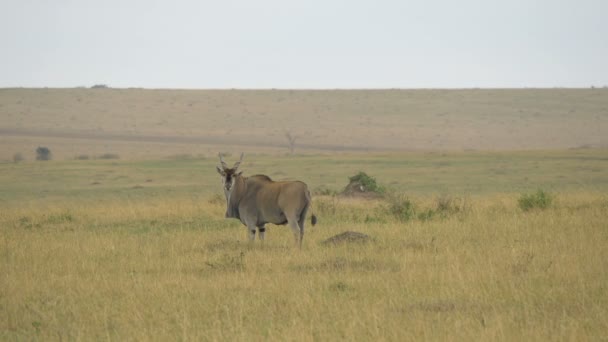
(175, 270)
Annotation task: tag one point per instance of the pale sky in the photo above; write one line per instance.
(304, 44)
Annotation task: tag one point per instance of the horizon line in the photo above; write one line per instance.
(107, 87)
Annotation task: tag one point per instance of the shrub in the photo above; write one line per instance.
(109, 156)
(18, 157)
(43, 153)
(427, 215)
(60, 218)
(368, 182)
(537, 200)
(82, 157)
(446, 205)
(401, 207)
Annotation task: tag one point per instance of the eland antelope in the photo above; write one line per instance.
(257, 200)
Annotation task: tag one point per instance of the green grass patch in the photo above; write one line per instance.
(538, 200)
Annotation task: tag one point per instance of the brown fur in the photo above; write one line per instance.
(258, 200)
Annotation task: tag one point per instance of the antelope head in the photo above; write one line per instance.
(228, 174)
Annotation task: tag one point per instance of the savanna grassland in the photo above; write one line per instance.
(136, 248)
(140, 250)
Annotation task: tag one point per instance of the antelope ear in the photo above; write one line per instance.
(220, 171)
(239, 174)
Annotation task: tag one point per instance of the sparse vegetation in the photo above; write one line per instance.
(323, 121)
(427, 215)
(182, 156)
(445, 206)
(109, 156)
(401, 207)
(447, 203)
(538, 200)
(18, 157)
(324, 191)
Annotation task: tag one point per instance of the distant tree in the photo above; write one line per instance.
(43, 153)
(18, 157)
(100, 86)
(109, 156)
(291, 139)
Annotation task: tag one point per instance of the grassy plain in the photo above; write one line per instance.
(415, 173)
(124, 250)
(137, 248)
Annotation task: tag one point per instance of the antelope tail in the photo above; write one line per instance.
(313, 218)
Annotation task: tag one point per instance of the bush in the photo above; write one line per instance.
(447, 205)
(427, 215)
(537, 200)
(18, 157)
(43, 153)
(401, 207)
(82, 157)
(109, 156)
(368, 182)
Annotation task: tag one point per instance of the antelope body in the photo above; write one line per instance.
(258, 200)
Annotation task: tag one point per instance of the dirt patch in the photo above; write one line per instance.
(347, 237)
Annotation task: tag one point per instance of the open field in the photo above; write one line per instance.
(138, 123)
(415, 173)
(118, 250)
(136, 248)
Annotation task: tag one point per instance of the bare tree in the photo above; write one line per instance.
(18, 157)
(291, 139)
